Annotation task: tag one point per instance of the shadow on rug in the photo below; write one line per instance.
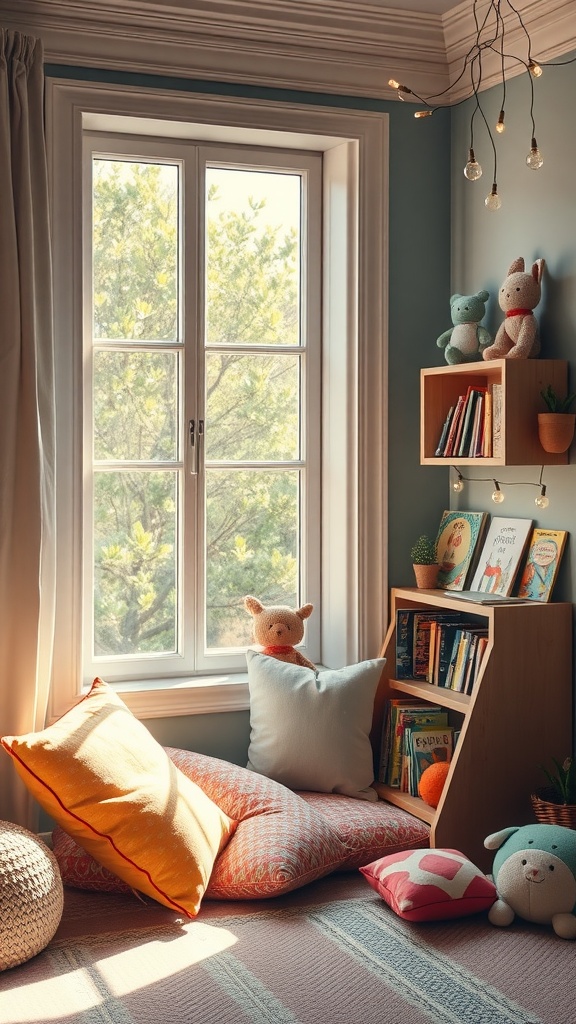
(332, 953)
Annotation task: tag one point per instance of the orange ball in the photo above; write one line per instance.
(432, 782)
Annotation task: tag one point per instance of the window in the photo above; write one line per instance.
(326, 366)
(202, 400)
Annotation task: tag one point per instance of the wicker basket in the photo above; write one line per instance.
(549, 813)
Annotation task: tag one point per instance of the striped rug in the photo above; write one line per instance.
(331, 954)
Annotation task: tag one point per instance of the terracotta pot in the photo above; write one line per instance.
(556, 430)
(426, 576)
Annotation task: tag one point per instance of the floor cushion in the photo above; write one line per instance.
(280, 842)
(368, 830)
(101, 775)
(283, 840)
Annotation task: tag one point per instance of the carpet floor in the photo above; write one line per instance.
(332, 953)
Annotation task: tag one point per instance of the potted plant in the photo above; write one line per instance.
(426, 566)
(556, 427)
(555, 804)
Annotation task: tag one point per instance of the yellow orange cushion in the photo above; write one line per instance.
(102, 776)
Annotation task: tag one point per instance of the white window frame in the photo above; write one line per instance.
(353, 604)
(192, 158)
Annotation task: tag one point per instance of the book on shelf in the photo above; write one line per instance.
(479, 597)
(444, 432)
(428, 746)
(471, 401)
(403, 713)
(457, 545)
(454, 424)
(480, 643)
(413, 636)
(487, 434)
(502, 552)
(475, 451)
(497, 445)
(542, 562)
(460, 667)
(444, 644)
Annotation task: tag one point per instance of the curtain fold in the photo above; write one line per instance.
(27, 411)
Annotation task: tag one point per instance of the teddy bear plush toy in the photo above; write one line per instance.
(279, 628)
(535, 876)
(466, 340)
(517, 337)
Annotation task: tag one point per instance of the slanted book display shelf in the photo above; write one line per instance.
(518, 716)
(520, 380)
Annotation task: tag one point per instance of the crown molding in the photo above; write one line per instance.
(344, 47)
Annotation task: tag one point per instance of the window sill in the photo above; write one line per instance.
(202, 695)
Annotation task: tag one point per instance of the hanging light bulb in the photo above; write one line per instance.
(534, 160)
(534, 68)
(493, 201)
(472, 170)
(402, 90)
(500, 126)
(458, 483)
(423, 113)
(542, 501)
(497, 494)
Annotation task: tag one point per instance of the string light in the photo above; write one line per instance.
(542, 501)
(497, 494)
(490, 35)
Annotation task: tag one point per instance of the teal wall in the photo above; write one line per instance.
(537, 219)
(419, 289)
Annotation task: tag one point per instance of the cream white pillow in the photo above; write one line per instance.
(311, 730)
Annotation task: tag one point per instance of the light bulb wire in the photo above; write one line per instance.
(507, 483)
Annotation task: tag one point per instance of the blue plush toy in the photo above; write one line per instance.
(535, 876)
(467, 339)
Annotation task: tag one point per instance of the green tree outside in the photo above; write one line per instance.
(251, 401)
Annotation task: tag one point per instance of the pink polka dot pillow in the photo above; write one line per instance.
(430, 885)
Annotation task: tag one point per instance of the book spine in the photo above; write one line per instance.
(496, 421)
(456, 419)
(445, 430)
(487, 436)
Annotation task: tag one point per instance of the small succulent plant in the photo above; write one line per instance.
(424, 551)
(562, 780)
(556, 404)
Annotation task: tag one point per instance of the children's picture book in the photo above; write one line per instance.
(390, 748)
(542, 563)
(457, 544)
(501, 555)
(429, 745)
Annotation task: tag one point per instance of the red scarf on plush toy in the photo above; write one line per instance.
(518, 312)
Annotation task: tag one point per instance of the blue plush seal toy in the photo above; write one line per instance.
(535, 876)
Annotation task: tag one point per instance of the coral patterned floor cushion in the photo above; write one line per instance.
(368, 830)
(430, 885)
(280, 842)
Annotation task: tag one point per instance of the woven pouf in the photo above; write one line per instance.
(31, 895)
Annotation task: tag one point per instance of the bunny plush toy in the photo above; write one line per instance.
(517, 337)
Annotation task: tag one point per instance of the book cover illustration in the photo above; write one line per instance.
(429, 746)
(501, 555)
(542, 564)
(457, 545)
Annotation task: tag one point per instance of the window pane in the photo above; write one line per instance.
(135, 405)
(252, 257)
(135, 516)
(252, 547)
(252, 406)
(135, 250)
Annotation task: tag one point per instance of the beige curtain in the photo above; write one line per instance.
(27, 455)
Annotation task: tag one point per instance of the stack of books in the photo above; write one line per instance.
(473, 427)
(445, 649)
(415, 736)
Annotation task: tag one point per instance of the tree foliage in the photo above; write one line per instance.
(251, 409)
